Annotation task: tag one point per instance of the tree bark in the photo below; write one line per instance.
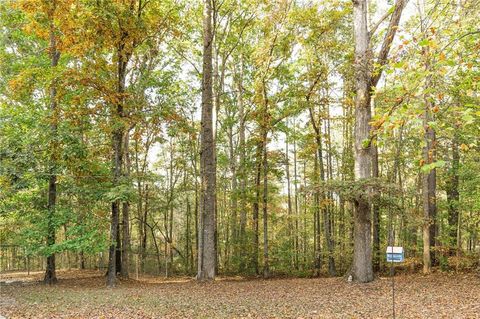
(295, 200)
(50, 272)
(118, 246)
(322, 198)
(126, 216)
(362, 270)
(429, 190)
(117, 139)
(234, 192)
(207, 246)
(256, 204)
(289, 201)
(453, 195)
(329, 223)
(376, 215)
(429, 182)
(124, 270)
(316, 223)
(188, 239)
(362, 255)
(145, 214)
(266, 265)
(243, 172)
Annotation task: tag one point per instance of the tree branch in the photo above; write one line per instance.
(379, 22)
(387, 41)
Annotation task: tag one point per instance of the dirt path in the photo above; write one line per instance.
(79, 295)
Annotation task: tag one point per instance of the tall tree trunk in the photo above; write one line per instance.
(118, 247)
(362, 255)
(453, 194)
(124, 270)
(256, 204)
(50, 272)
(305, 235)
(316, 222)
(429, 190)
(243, 171)
(323, 205)
(430, 177)
(362, 270)
(145, 221)
(266, 266)
(376, 215)
(207, 246)
(117, 139)
(348, 170)
(168, 217)
(329, 225)
(140, 212)
(234, 193)
(295, 198)
(289, 201)
(188, 233)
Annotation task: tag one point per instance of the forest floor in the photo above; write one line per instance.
(82, 294)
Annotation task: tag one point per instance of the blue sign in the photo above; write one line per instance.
(395, 254)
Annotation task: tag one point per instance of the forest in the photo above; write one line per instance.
(254, 139)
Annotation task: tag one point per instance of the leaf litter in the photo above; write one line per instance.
(82, 294)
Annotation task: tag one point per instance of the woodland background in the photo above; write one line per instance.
(81, 80)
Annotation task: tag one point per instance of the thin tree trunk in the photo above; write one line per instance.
(295, 198)
(169, 221)
(322, 196)
(305, 238)
(234, 192)
(453, 195)
(140, 212)
(207, 246)
(50, 272)
(329, 225)
(125, 240)
(266, 265)
(243, 172)
(145, 221)
(256, 205)
(188, 248)
(118, 247)
(376, 215)
(117, 139)
(316, 222)
(429, 192)
(430, 177)
(126, 218)
(289, 201)
(159, 263)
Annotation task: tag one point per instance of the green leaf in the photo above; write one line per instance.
(423, 42)
(366, 143)
(428, 167)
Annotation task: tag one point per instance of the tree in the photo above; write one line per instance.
(365, 82)
(50, 275)
(207, 247)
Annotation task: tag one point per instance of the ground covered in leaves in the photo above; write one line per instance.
(82, 294)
